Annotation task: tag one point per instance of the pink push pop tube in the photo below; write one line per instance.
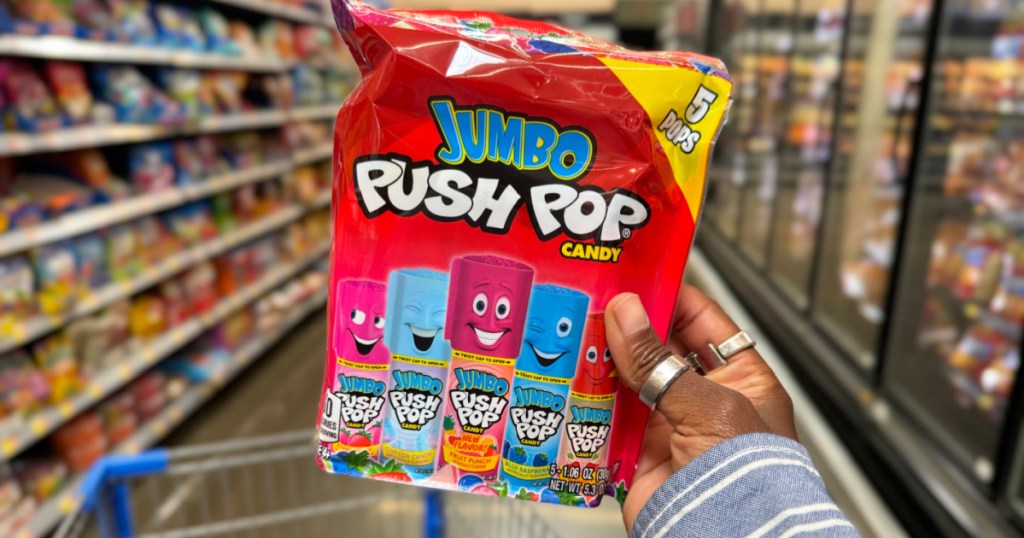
(354, 405)
(488, 298)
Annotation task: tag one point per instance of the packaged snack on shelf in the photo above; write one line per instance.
(56, 359)
(40, 477)
(31, 107)
(93, 343)
(151, 166)
(92, 262)
(133, 21)
(94, 20)
(119, 417)
(89, 167)
(23, 388)
(182, 85)
(223, 213)
(17, 294)
(234, 331)
(525, 155)
(213, 163)
(188, 162)
(81, 442)
(218, 37)
(148, 392)
(200, 284)
(148, 316)
(191, 33)
(57, 284)
(196, 363)
(277, 39)
(16, 507)
(156, 242)
(241, 149)
(244, 37)
(244, 203)
(55, 195)
(192, 223)
(226, 89)
(309, 86)
(71, 88)
(123, 259)
(176, 305)
(42, 17)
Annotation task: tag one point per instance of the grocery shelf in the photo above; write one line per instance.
(322, 200)
(143, 356)
(102, 216)
(277, 9)
(106, 135)
(85, 50)
(314, 154)
(115, 291)
(65, 502)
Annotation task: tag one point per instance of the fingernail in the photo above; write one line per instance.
(630, 315)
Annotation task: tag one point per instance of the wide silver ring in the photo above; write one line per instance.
(661, 378)
(702, 361)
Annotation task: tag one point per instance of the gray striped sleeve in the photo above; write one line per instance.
(756, 485)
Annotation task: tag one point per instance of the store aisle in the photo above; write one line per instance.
(278, 393)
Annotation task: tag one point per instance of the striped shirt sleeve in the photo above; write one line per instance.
(756, 485)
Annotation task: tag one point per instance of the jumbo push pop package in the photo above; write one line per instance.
(496, 183)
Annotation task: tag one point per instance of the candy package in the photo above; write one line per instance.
(507, 179)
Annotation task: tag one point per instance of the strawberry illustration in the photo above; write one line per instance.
(359, 439)
(389, 470)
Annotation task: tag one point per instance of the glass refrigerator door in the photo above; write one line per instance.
(881, 74)
(805, 145)
(735, 42)
(772, 68)
(956, 340)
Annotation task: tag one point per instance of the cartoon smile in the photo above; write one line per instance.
(596, 380)
(422, 338)
(363, 346)
(487, 338)
(546, 359)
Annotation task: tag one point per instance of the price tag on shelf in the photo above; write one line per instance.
(67, 503)
(176, 414)
(25, 533)
(9, 446)
(149, 354)
(94, 390)
(160, 427)
(179, 337)
(66, 410)
(123, 372)
(38, 425)
(132, 447)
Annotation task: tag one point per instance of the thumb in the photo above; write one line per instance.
(694, 405)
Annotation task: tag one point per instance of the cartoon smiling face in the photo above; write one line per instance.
(595, 372)
(417, 302)
(488, 298)
(554, 327)
(359, 322)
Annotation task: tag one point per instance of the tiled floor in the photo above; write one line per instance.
(279, 393)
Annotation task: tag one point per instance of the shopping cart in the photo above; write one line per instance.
(269, 486)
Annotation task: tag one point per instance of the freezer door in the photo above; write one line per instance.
(881, 88)
(956, 335)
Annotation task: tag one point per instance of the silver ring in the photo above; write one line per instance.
(663, 375)
(701, 361)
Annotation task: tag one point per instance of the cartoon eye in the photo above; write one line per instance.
(592, 355)
(378, 322)
(502, 308)
(480, 304)
(607, 355)
(358, 316)
(564, 326)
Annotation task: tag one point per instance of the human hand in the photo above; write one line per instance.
(695, 413)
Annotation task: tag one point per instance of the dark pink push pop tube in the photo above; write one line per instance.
(488, 297)
(352, 417)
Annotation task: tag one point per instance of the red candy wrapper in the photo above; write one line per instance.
(496, 183)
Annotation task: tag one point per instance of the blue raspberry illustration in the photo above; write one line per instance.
(518, 455)
(504, 450)
(548, 496)
(540, 460)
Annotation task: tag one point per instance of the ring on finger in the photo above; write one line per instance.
(702, 361)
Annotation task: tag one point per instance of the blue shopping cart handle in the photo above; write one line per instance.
(115, 467)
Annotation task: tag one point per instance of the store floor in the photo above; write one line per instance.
(279, 393)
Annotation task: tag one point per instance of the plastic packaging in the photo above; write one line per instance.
(539, 172)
